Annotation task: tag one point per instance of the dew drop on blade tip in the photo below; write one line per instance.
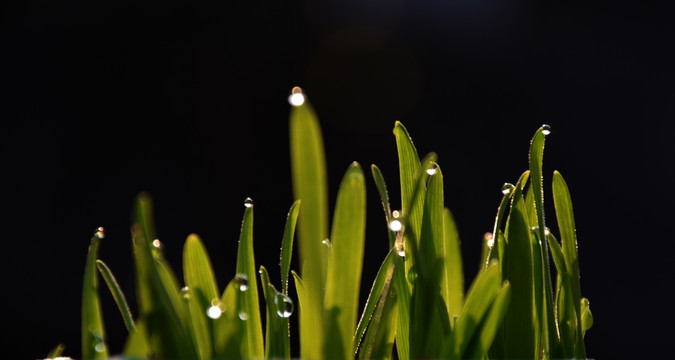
(546, 129)
(507, 188)
(284, 305)
(296, 98)
(248, 202)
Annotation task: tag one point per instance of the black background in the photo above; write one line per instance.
(188, 101)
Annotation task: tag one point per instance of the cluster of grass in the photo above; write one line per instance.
(416, 308)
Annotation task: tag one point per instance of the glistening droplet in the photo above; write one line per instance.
(243, 315)
(296, 98)
(242, 280)
(395, 225)
(489, 239)
(214, 312)
(431, 171)
(507, 188)
(248, 202)
(100, 232)
(284, 305)
(546, 129)
(185, 292)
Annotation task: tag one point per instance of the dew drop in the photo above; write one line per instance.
(490, 240)
(100, 232)
(534, 228)
(248, 202)
(214, 312)
(327, 243)
(243, 315)
(156, 243)
(507, 188)
(242, 280)
(395, 225)
(431, 171)
(296, 98)
(284, 305)
(185, 292)
(546, 129)
(547, 232)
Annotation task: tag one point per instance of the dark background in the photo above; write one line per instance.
(188, 101)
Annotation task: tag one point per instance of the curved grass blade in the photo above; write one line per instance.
(489, 327)
(384, 197)
(117, 294)
(344, 266)
(409, 167)
(507, 191)
(478, 301)
(379, 338)
(93, 331)
(382, 280)
(277, 341)
(308, 165)
(252, 339)
(453, 278)
(431, 241)
(287, 244)
(160, 303)
(565, 217)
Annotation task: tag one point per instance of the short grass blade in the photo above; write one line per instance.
(93, 331)
(345, 264)
(57, 351)
(277, 340)
(384, 197)
(117, 294)
(586, 316)
(378, 342)
(252, 337)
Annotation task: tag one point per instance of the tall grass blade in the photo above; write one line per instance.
(384, 197)
(403, 300)
(409, 168)
(252, 341)
(277, 340)
(159, 300)
(344, 265)
(287, 244)
(93, 331)
(117, 294)
(429, 322)
(489, 326)
(383, 280)
(378, 342)
(565, 217)
(308, 165)
(454, 273)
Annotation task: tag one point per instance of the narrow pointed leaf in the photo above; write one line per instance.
(228, 328)
(137, 345)
(93, 332)
(409, 167)
(489, 327)
(453, 278)
(403, 299)
(384, 197)
(344, 266)
(57, 351)
(117, 294)
(586, 316)
(277, 344)
(378, 341)
(287, 244)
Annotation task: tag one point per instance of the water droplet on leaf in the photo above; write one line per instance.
(284, 305)
(242, 280)
(507, 188)
(296, 98)
(214, 312)
(243, 315)
(546, 129)
(248, 202)
(100, 232)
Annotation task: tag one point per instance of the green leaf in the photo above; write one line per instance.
(57, 351)
(565, 217)
(481, 295)
(308, 165)
(453, 279)
(384, 197)
(252, 340)
(409, 168)
(403, 300)
(431, 240)
(429, 322)
(586, 316)
(489, 327)
(378, 342)
(228, 328)
(137, 345)
(117, 294)
(160, 303)
(345, 264)
(277, 340)
(93, 332)
(382, 280)
(287, 244)
(519, 331)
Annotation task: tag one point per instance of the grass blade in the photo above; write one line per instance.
(379, 338)
(382, 280)
(586, 316)
(403, 300)
(93, 332)
(137, 345)
(565, 217)
(308, 165)
(384, 197)
(490, 325)
(454, 273)
(344, 265)
(277, 340)
(117, 294)
(429, 322)
(57, 351)
(409, 168)
(287, 244)
(252, 339)
(228, 327)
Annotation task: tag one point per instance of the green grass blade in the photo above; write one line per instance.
(57, 351)
(203, 291)
(378, 342)
(431, 241)
(277, 340)
(344, 266)
(228, 328)
(496, 251)
(137, 345)
(381, 186)
(403, 300)
(490, 325)
(308, 165)
(586, 316)
(93, 331)
(252, 340)
(565, 217)
(287, 244)
(429, 322)
(519, 331)
(117, 294)
(454, 273)
(409, 167)
(160, 302)
(481, 295)
(382, 280)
